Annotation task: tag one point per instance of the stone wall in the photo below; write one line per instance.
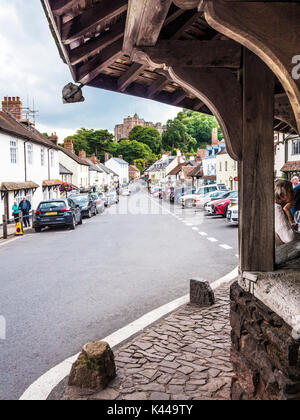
(264, 354)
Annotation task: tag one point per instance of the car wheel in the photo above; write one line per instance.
(188, 204)
(73, 225)
(38, 230)
(225, 211)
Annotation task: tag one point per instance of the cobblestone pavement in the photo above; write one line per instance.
(185, 356)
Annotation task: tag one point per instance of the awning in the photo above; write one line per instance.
(51, 183)
(292, 166)
(17, 186)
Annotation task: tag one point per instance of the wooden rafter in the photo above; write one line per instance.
(88, 71)
(157, 86)
(100, 14)
(95, 45)
(59, 7)
(130, 75)
(179, 96)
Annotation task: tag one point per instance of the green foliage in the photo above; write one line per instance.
(177, 136)
(92, 141)
(147, 135)
(189, 131)
(132, 150)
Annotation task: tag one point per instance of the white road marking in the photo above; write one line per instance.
(42, 387)
(225, 246)
(237, 256)
(202, 233)
(195, 228)
(8, 241)
(212, 239)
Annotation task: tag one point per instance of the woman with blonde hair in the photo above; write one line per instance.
(285, 228)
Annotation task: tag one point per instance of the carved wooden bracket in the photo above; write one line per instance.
(270, 29)
(187, 4)
(217, 88)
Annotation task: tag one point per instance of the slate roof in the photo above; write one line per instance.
(64, 171)
(9, 125)
(120, 161)
(17, 186)
(73, 156)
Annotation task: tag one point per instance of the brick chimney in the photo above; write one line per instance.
(144, 164)
(82, 154)
(69, 145)
(121, 157)
(13, 106)
(54, 138)
(94, 160)
(214, 136)
(106, 158)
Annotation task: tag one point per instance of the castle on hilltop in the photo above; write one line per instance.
(123, 130)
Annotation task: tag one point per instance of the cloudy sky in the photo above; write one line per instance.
(32, 68)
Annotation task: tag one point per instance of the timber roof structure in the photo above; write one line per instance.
(103, 44)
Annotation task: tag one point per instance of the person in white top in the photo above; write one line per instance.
(285, 228)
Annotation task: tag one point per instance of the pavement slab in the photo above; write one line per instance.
(171, 369)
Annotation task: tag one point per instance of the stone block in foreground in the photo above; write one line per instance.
(201, 293)
(94, 368)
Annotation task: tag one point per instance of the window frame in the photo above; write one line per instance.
(13, 148)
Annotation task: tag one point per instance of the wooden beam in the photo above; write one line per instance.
(190, 18)
(187, 4)
(95, 45)
(98, 15)
(196, 53)
(256, 172)
(198, 105)
(145, 19)
(173, 17)
(179, 96)
(157, 86)
(88, 71)
(130, 75)
(59, 7)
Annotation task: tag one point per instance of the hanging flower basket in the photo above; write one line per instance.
(66, 187)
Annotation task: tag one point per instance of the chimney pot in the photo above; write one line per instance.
(13, 107)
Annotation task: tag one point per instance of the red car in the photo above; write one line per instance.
(220, 206)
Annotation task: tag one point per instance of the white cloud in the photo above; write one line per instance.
(31, 67)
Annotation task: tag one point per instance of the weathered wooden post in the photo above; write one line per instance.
(4, 220)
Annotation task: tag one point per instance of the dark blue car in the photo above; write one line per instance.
(61, 212)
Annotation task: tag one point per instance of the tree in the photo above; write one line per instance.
(147, 135)
(199, 125)
(176, 136)
(132, 150)
(95, 142)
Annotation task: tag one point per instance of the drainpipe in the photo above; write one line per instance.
(25, 159)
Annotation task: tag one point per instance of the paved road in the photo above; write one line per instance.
(61, 289)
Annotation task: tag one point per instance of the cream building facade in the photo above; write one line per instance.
(227, 170)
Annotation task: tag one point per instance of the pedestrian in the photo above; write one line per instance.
(25, 207)
(16, 212)
(296, 183)
(285, 229)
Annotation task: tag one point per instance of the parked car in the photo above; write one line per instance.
(220, 207)
(86, 204)
(200, 201)
(113, 198)
(61, 212)
(126, 192)
(187, 200)
(99, 202)
(233, 211)
(177, 193)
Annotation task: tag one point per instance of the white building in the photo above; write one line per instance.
(226, 170)
(77, 166)
(120, 167)
(29, 163)
(291, 147)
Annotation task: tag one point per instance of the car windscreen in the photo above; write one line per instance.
(233, 194)
(81, 199)
(52, 205)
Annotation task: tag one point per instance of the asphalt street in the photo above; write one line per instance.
(62, 288)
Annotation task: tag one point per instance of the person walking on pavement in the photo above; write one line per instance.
(25, 207)
(16, 212)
